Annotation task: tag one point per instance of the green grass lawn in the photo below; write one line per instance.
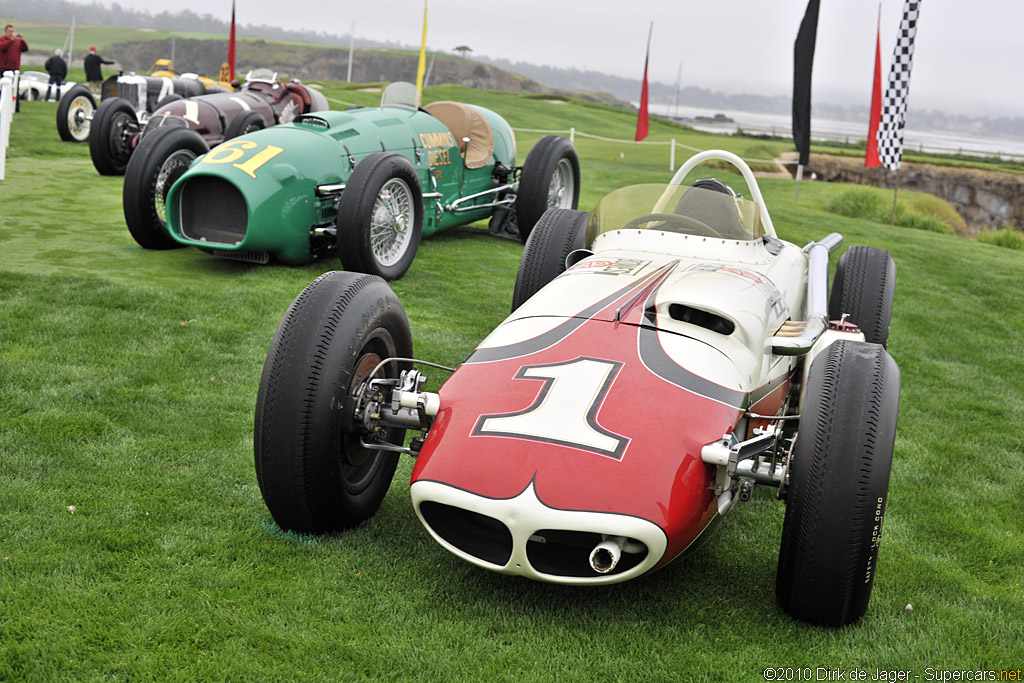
(134, 544)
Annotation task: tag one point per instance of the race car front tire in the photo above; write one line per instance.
(863, 288)
(72, 110)
(160, 159)
(557, 234)
(380, 217)
(314, 474)
(838, 484)
(110, 136)
(550, 180)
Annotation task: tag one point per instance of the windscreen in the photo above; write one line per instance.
(399, 94)
(676, 208)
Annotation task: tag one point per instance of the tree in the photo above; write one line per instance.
(463, 49)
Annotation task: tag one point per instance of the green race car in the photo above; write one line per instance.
(366, 183)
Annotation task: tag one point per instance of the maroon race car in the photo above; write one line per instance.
(263, 100)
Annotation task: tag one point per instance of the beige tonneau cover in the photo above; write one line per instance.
(466, 122)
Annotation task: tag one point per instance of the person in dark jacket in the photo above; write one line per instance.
(58, 70)
(12, 44)
(94, 71)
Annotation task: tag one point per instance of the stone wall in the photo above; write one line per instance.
(983, 198)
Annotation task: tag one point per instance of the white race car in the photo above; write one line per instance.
(32, 85)
(666, 354)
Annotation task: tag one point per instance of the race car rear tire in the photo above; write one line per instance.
(550, 180)
(863, 287)
(380, 216)
(110, 137)
(314, 475)
(557, 234)
(72, 110)
(160, 159)
(243, 124)
(838, 484)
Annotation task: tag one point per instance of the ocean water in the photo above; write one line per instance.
(942, 142)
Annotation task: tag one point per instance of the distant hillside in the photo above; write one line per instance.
(308, 62)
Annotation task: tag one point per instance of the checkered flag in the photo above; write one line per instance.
(894, 105)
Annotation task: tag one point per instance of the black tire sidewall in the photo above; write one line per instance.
(241, 122)
(100, 134)
(864, 287)
(299, 421)
(541, 162)
(138, 194)
(173, 97)
(556, 235)
(838, 484)
(355, 212)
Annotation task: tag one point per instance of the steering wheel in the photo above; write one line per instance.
(687, 224)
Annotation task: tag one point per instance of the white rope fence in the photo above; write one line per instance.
(572, 133)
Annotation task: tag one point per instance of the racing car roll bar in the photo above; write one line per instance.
(744, 170)
(796, 338)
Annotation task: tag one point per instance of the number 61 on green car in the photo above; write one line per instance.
(365, 183)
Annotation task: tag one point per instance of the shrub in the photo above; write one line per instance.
(930, 205)
(858, 202)
(922, 212)
(1008, 238)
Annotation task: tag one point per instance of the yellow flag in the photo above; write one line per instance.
(422, 67)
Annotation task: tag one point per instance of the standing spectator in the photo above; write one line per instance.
(11, 46)
(58, 70)
(94, 71)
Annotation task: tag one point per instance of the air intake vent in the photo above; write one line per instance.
(567, 553)
(259, 257)
(212, 210)
(705, 319)
(474, 534)
(344, 134)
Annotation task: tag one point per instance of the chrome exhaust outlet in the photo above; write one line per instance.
(605, 555)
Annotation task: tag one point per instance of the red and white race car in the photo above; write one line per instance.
(666, 354)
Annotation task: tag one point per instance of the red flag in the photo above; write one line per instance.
(871, 157)
(642, 118)
(231, 43)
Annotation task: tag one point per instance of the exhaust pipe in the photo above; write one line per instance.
(605, 555)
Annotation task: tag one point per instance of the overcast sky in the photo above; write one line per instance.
(966, 55)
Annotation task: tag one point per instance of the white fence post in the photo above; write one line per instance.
(672, 157)
(572, 135)
(7, 102)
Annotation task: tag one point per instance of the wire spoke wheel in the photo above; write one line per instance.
(560, 192)
(170, 171)
(390, 227)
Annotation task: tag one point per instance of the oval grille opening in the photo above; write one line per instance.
(567, 553)
(478, 535)
(212, 210)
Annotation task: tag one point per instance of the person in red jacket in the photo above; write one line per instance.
(11, 46)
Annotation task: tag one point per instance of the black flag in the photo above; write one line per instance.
(803, 62)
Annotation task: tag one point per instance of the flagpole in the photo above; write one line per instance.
(421, 66)
(351, 49)
(895, 197)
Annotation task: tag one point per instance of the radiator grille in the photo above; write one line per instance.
(212, 210)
